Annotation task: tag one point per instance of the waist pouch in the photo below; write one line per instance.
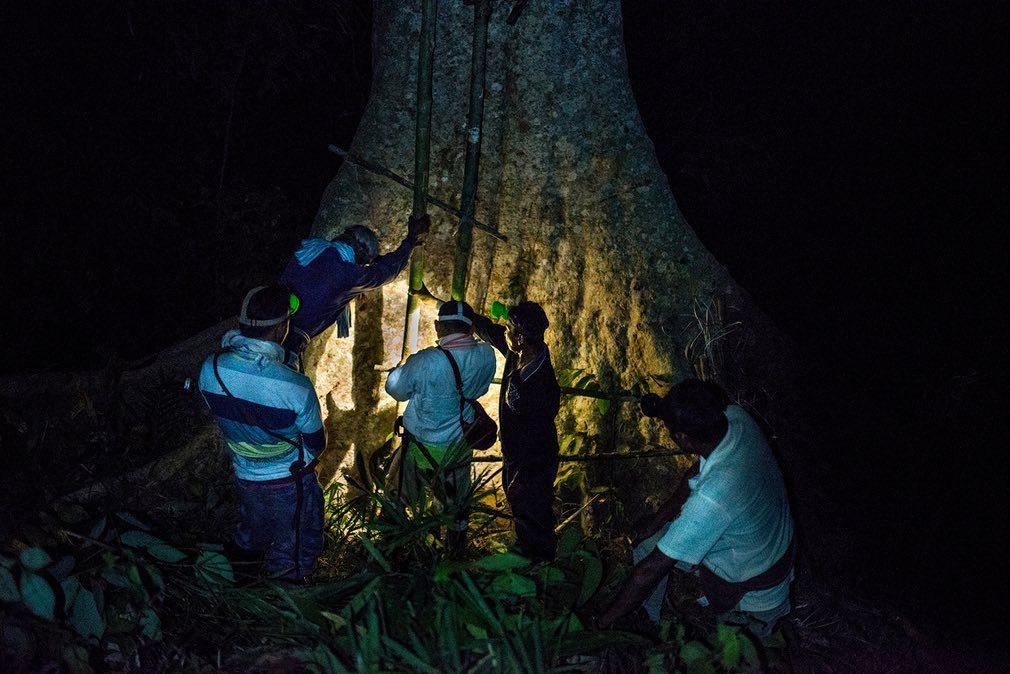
(723, 595)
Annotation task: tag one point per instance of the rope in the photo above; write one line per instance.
(589, 458)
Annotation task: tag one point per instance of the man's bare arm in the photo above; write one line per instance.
(644, 578)
(668, 511)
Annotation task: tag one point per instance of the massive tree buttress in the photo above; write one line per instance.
(567, 173)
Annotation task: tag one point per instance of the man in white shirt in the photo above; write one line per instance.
(730, 521)
(434, 436)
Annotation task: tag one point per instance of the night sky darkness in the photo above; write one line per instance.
(842, 160)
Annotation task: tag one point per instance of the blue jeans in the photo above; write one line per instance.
(266, 525)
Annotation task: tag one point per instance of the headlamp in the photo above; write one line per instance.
(244, 319)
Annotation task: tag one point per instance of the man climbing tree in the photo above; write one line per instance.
(327, 275)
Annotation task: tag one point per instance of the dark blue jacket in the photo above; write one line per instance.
(328, 284)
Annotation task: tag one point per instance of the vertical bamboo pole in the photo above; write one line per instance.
(474, 131)
(422, 152)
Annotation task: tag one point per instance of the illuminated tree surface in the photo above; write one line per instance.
(570, 176)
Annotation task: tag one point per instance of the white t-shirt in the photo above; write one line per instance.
(736, 520)
(426, 381)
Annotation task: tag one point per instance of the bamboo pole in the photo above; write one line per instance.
(372, 167)
(471, 166)
(422, 154)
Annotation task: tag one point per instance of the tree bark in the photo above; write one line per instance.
(568, 174)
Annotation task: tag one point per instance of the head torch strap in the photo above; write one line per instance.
(244, 319)
(458, 316)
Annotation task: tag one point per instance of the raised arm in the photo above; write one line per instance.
(644, 578)
(385, 268)
(492, 333)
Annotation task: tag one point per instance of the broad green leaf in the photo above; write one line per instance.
(153, 545)
(35, 558)
(442, 572)
(592, 576)
(693, 651)
(150, 624)
(503, 561)
(76, 658)
(603, 405)
(6, 562)
(324, 658)
(214, 567)
(730, 642)
(749, 651)
(657, 663)
(98, 529)
(569, 540)
(85, 616)
(415, 663)
(700, 667)
(574, 624)
(62, 568)
(8, 588)
(513, 583)
(476, 631)
(132, 521)
(550, 574)
(115, 578)
(337, 621)
(37, 595)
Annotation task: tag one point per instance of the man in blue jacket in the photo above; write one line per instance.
(327, 275)
(270, 418)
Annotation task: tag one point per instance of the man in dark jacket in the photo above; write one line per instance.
(528, 403)
(327, 275)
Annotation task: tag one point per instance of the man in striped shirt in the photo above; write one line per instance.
(269, 416)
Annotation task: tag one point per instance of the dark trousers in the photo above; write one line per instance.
(529, 488)
(267, 519)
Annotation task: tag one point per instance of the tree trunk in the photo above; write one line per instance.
(568, 174)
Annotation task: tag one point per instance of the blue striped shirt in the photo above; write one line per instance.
(265, 394)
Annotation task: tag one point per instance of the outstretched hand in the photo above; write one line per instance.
(417, 228)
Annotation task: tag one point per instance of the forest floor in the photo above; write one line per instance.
(129, 575)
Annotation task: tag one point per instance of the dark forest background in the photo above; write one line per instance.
(841, 159)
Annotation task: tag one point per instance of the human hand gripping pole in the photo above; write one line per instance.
(417, 228)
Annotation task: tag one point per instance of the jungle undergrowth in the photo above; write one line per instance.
(84, 590)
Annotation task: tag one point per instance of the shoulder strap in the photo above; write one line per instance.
(459, 382)
(250, 417)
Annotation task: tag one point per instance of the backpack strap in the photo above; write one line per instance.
(251, 418)
(297, 468)
(459, 383)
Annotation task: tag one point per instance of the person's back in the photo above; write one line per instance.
(270, 419)
(742, 477)
(426, 381)
(434, 434)
(328, 275)
(267, 399)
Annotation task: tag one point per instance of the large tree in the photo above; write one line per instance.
(567, 173)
